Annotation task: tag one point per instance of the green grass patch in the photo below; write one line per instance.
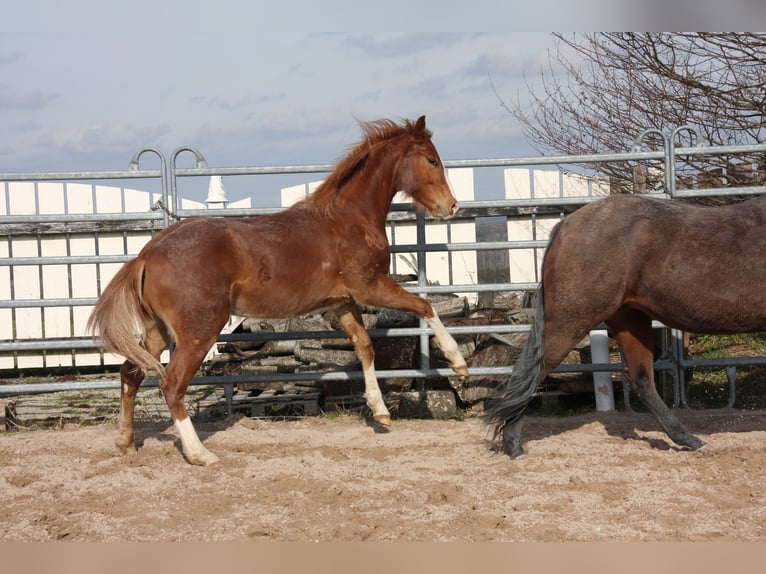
(709, 387)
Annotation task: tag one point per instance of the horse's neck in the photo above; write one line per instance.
(371, 192)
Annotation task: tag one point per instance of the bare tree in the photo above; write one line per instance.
(600, 90)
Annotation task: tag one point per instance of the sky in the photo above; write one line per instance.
(84, 85)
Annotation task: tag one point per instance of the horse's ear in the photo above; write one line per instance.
(420, 125)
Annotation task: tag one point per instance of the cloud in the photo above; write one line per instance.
(14, 100)
(11, 58)
(407, 44)
(119, 138)
(243, 103)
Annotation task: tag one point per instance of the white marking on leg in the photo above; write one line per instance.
(447, 344)
(193, 449)
(373, 395)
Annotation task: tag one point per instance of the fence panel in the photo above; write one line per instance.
(65, 236)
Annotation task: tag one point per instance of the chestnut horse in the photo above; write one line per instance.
(626, 260)
(328, 251)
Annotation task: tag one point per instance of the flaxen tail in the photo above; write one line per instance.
(515, 393)
(120, 316)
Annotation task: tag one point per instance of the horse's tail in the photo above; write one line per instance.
(120, 316)
(515, 393)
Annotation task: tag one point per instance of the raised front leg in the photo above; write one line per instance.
(351, 320)
(448, 345)
(386, 293)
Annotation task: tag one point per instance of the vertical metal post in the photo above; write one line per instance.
(677, 354)
(425, 351)
(201, 164)
(133, 166)
(602, 380)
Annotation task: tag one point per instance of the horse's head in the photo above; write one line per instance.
(422, 177)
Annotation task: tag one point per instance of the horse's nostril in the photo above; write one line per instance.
(454, 208)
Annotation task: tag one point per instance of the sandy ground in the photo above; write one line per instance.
(603, 476)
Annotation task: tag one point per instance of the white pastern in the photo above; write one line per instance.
(373, 395)
(447, 343)
(193, 449)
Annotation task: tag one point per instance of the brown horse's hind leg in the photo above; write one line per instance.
(186, 359)
(633, 331)
(351, 320)
(131, 378)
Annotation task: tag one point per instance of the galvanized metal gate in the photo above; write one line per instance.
(22, 237)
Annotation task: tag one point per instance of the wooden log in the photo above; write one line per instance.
(326, 357)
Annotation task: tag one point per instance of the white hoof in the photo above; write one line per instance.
(202, 458)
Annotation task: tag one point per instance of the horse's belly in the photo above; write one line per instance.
(282, 301)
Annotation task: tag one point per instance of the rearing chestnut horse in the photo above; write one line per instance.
(328, 251)
(626, 260)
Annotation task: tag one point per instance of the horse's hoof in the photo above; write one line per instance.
(206, 458)
(381, 424)
(515, 450)
(694, 443)
(384, 420)
(125, 446)
(462, 371)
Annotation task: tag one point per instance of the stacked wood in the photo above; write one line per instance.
(315, 355)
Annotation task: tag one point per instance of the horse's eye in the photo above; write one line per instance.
(433, 162)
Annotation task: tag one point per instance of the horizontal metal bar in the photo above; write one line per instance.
(80, 217)
(22, 345)
(603, 158)
(721, 192)
(32, 388)
(253, 170)
(81, 175)
(39, 388)
(75, 343)
(722, 362)
(34, 303)
(456, 247)
(555, 159)
(64, 260)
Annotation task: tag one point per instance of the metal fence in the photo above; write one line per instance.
(536, 213)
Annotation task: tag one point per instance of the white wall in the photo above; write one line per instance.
(64, 281)
(82, 280)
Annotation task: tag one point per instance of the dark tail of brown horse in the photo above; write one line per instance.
(120, 316)
(514, 394)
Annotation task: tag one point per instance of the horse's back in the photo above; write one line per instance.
(693, 267)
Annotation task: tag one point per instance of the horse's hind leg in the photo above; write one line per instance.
(186, 359)
(351, 320)
(131, 378)
(633, 331)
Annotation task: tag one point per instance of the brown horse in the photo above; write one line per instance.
(626, 260)
(327, 251)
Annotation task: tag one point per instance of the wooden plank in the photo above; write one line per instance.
(79, 227)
